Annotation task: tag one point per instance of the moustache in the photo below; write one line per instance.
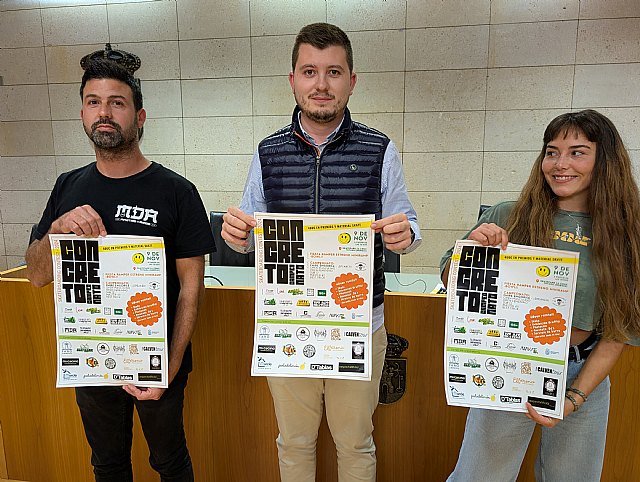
(103, 122)
(322, 94)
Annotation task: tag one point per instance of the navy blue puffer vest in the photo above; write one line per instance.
(344, 179)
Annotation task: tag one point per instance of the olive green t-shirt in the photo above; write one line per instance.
(585, 311)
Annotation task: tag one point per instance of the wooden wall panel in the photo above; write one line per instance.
(3, 459)
(231, 428)
(39, 422)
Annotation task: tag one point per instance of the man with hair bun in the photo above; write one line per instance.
(85, 202)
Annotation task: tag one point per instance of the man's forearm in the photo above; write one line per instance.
(39, 264)
(191, 276)
(183, 327)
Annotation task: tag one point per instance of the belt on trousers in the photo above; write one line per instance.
(582, 351)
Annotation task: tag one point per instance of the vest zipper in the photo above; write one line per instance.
(318, 155)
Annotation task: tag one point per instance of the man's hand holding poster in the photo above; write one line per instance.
(313, 296)
(508, 326)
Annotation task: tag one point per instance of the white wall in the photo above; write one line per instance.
(464, 88)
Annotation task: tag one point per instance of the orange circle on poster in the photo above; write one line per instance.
(349, 291)
(144, 309)
(544, 325)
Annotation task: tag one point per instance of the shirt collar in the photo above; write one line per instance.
(329, 138)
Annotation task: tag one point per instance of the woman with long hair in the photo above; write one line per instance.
(580, 196)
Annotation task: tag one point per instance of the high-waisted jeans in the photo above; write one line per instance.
(495, 442)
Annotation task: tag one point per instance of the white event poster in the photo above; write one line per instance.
(313, 296)
(508, 327)
(110, 306)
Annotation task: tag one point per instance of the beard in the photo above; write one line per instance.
(116, 140)
(321, 116)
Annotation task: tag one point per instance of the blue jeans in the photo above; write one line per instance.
(495, 442)
(107, 416)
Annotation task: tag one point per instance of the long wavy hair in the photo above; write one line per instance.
(614, 206)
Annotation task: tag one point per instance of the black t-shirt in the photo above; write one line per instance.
(154, 202)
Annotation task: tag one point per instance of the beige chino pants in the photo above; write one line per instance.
(349, 404)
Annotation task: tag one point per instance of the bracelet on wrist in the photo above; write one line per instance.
(570, 397)
(578, 392)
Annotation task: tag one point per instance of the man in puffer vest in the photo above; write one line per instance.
(325, 163)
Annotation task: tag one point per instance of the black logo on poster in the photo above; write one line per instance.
(550, 387)
(457, 378)
(491, 364)
(120, 376)
(498, 382)
(357, 350)
(351, 367)
(303, 333)
(103, 348)
(155, 362)
(149, 377)
(542, 403)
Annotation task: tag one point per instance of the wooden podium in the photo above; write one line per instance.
(229, 419)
